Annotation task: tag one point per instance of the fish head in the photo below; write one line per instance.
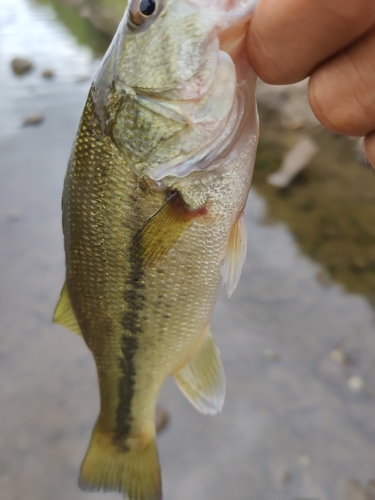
(177, 73)
(170, 48)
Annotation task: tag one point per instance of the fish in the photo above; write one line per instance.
(153, 220)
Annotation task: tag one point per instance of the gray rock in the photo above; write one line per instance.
(48, 73)
(35, 119)
(21, 65)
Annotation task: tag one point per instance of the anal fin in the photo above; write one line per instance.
(64, 314)
(202, 378)
(235, 255)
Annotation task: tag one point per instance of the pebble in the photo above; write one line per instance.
(286, 477)
(48, 73)
(360, 263)
(331, 232)
(324, 278)
(354, 491)
(371, 486)
(356, 383)
(304, 461)
(82, 78)
(371, 489)
(23, 442)
(14, 216)
(294, 162)
(162, 419)
(339, 356)
(21, 65)
(35, 119)
(271, 355)
(295, 125)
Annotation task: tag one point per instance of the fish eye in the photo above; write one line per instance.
(147, 7)
(141, 10)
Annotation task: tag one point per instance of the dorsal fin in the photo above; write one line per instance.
(64, 314)
(202, 378)
(235, 255)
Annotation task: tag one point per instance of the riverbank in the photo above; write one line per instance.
(104, 15)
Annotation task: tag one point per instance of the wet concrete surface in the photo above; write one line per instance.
(298, 421)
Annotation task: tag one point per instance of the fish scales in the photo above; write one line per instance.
(145, 251)
(102, 235)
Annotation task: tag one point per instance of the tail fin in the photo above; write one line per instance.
(134, 472)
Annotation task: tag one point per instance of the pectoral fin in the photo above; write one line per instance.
(162, 231)
(64, 314)
(202, 378)
(235, 255)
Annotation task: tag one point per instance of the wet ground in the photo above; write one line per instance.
(297, 343)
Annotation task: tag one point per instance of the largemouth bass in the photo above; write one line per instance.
(153, 217)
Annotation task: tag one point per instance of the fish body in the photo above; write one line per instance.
(153, 216)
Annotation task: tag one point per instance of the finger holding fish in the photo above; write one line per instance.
(330, 41)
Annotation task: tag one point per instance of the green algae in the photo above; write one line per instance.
(329, 208)
(104, 15)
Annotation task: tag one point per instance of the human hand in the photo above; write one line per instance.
(333, 42)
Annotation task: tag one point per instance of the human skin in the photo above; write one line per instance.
(333, 43)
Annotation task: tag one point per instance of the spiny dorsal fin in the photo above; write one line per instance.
(64, 314)
(235, 255)
(202, 378)
(162, 231)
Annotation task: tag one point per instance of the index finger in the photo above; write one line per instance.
(287, 39)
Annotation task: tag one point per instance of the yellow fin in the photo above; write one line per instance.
(235, 255)
(162, 231)
(134, 472)
(202, 378)
(64, 314)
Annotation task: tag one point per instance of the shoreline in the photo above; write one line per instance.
(104, 18)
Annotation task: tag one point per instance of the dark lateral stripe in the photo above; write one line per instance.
(131, 322)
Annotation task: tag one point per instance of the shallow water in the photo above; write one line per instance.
(297, 422)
